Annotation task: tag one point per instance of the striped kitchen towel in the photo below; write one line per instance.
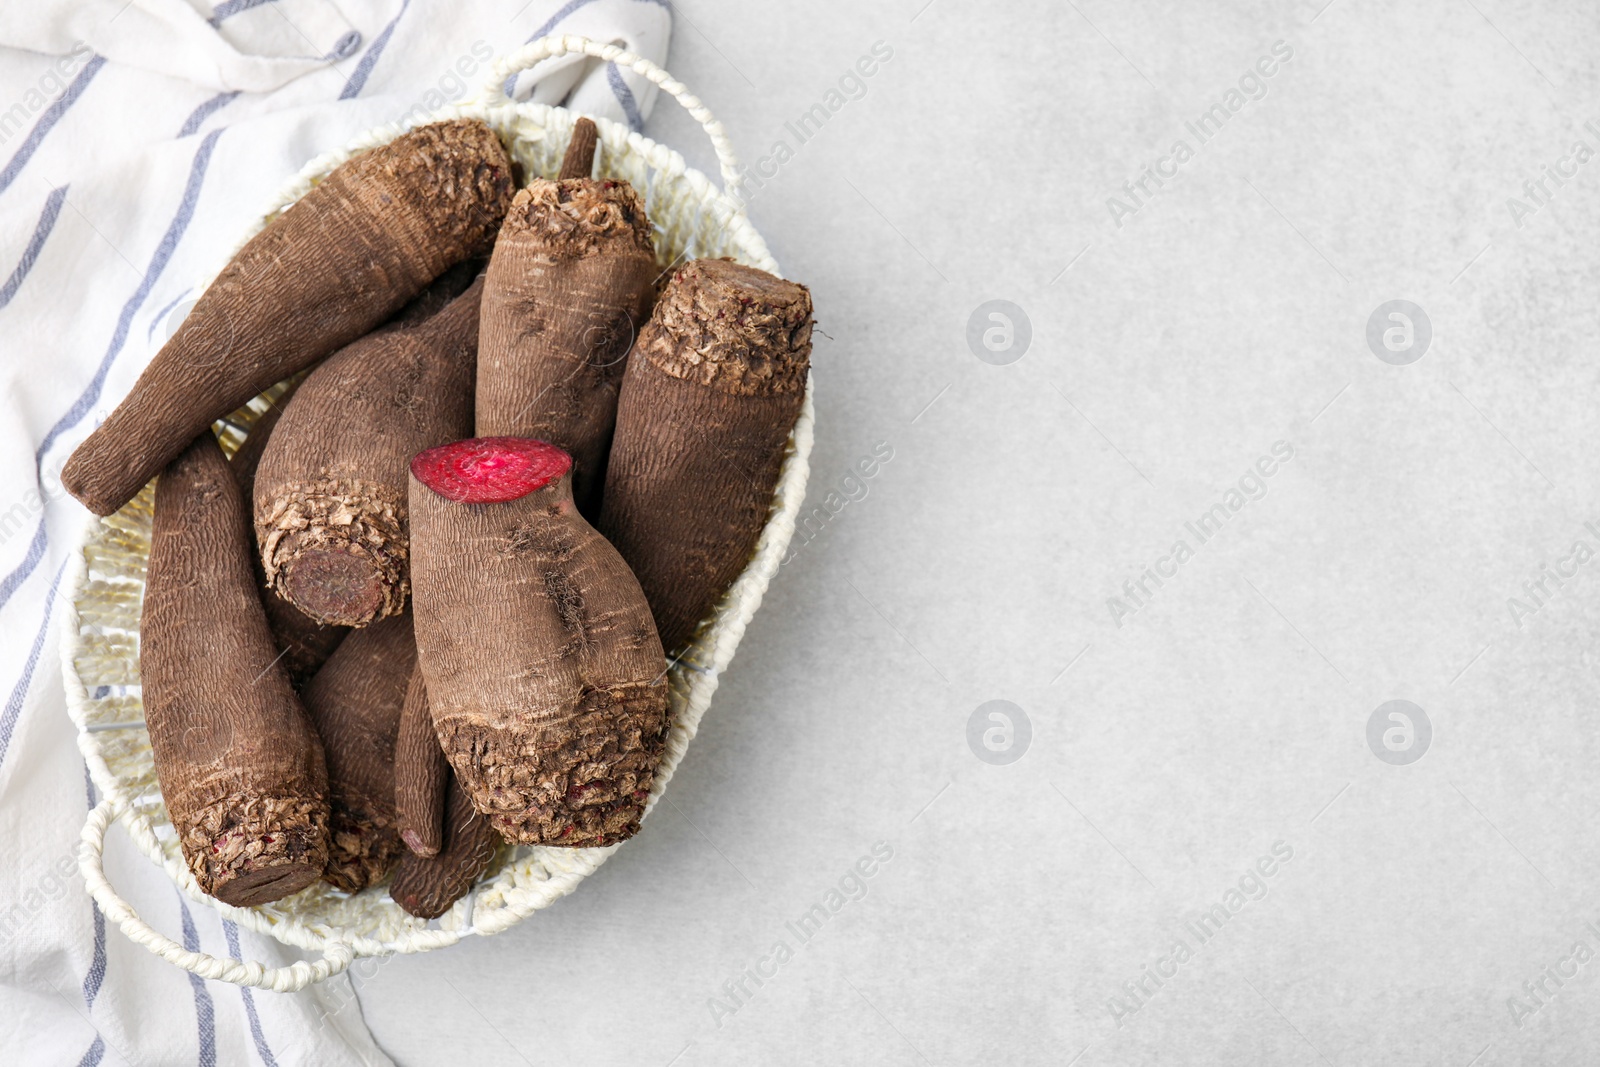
(138, 139)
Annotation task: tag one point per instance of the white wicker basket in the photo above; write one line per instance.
(692, 218)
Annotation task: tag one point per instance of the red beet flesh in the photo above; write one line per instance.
(490, 470)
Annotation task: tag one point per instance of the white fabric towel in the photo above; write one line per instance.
(137, 141)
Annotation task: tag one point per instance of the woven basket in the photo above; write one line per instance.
(100, 654)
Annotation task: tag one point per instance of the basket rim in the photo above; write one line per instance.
(723, 632)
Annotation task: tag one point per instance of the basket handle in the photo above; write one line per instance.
(337, 956)
(509, 66)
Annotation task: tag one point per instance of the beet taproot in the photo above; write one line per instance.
(330, 496)
(427, 886)
(420, 774)
(710, 396)
(578, 162)
(544, 674)
(240, 766)
(331, 267)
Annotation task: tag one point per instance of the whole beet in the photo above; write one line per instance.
(332, 266)
(711, 394)
(240, 767)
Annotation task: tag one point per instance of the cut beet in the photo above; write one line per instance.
(336, 585)
(490, 470)
(545, 680)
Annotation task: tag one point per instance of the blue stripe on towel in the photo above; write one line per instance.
(36, 548)
(205, 111)
(229, 8)
(232, 931)
(47, 121)
(155, 320)
(97, 963)
(573, 5)
(629, 107)
(624, 95)
(205, 1012)
(13, 708)
(363, 71)
(96, 1051)
(158, 262)
(97, 966)
(41, 233)
(544, 31)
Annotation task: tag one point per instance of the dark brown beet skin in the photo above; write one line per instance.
(240, 767)
(570, 282)
(330, 496)
(355, 701)
(544, 673)
(579, 160)
(711, 394)
(335, 264)
(426, 887)
(306, 643)
(420, 774)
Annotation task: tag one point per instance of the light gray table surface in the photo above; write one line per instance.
(1171, 741)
